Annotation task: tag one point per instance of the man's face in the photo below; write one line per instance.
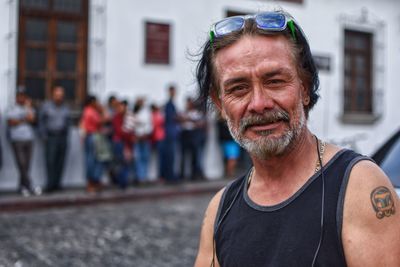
(172, 92)
(58, 95)
(20, 98)
(261, 94)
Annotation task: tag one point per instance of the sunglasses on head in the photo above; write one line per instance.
(266, 21)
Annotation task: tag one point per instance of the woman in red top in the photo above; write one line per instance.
(158, 135)
(91, 124)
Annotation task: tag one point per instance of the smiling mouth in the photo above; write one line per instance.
(263, 127)
(265, 122)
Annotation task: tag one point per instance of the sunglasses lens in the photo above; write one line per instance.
(229, 25)
(271, 21)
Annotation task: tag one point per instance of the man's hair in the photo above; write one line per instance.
(206, 71)
(171, 88)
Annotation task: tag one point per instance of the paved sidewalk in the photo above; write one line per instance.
(10, 202)
(151, 233)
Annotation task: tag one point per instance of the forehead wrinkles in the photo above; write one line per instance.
(259, 49)
(236, 56)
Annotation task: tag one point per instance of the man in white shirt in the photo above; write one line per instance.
(21, 134)
(143, 130)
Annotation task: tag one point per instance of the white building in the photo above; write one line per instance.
(132, 48)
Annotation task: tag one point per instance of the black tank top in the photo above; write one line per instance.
(286, 234)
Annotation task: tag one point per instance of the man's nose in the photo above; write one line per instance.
(260, 101)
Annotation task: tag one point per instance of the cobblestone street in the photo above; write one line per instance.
(149, 233)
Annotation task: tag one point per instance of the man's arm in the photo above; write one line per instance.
(206, 249)
(371, 218)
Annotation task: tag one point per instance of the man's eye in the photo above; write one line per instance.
(275, 81)
(236, 89)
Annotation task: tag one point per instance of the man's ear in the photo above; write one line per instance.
(305, 94)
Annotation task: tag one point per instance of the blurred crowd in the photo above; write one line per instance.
(118, 139)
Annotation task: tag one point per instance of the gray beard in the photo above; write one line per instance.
(266, 147)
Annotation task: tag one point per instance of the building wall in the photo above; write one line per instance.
(116, 63)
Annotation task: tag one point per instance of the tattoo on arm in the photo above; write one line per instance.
(382, 202)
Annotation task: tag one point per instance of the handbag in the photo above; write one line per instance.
(102, 148)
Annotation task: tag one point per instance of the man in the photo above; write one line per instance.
(171, 137)
(109, 112)
(19, 120)
(305, 202)
(122, 142)
(54, 121)
(192, 125)
(112, 105)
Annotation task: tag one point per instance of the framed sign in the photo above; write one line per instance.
(323, 63)
(157, 43)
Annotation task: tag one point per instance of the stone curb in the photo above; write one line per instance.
(81, 198)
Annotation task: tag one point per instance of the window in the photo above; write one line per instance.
(157, 43)
(358, 72)
(52, 47)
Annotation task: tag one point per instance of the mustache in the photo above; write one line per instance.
(266, 118)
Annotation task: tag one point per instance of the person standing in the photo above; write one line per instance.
(94, 143)
(142, 148)
(109, 112)
(230, 149)
(158, 136)
(21, 134)
(171, 137)
(121, 141)
(192, 124)
(54, 122)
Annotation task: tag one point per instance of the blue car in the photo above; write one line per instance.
(388, 158)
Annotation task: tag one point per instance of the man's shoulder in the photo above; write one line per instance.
(231, 191)
(231, 187)
(367, 181)
(348, 156)
(367, 172)
(370, 214)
